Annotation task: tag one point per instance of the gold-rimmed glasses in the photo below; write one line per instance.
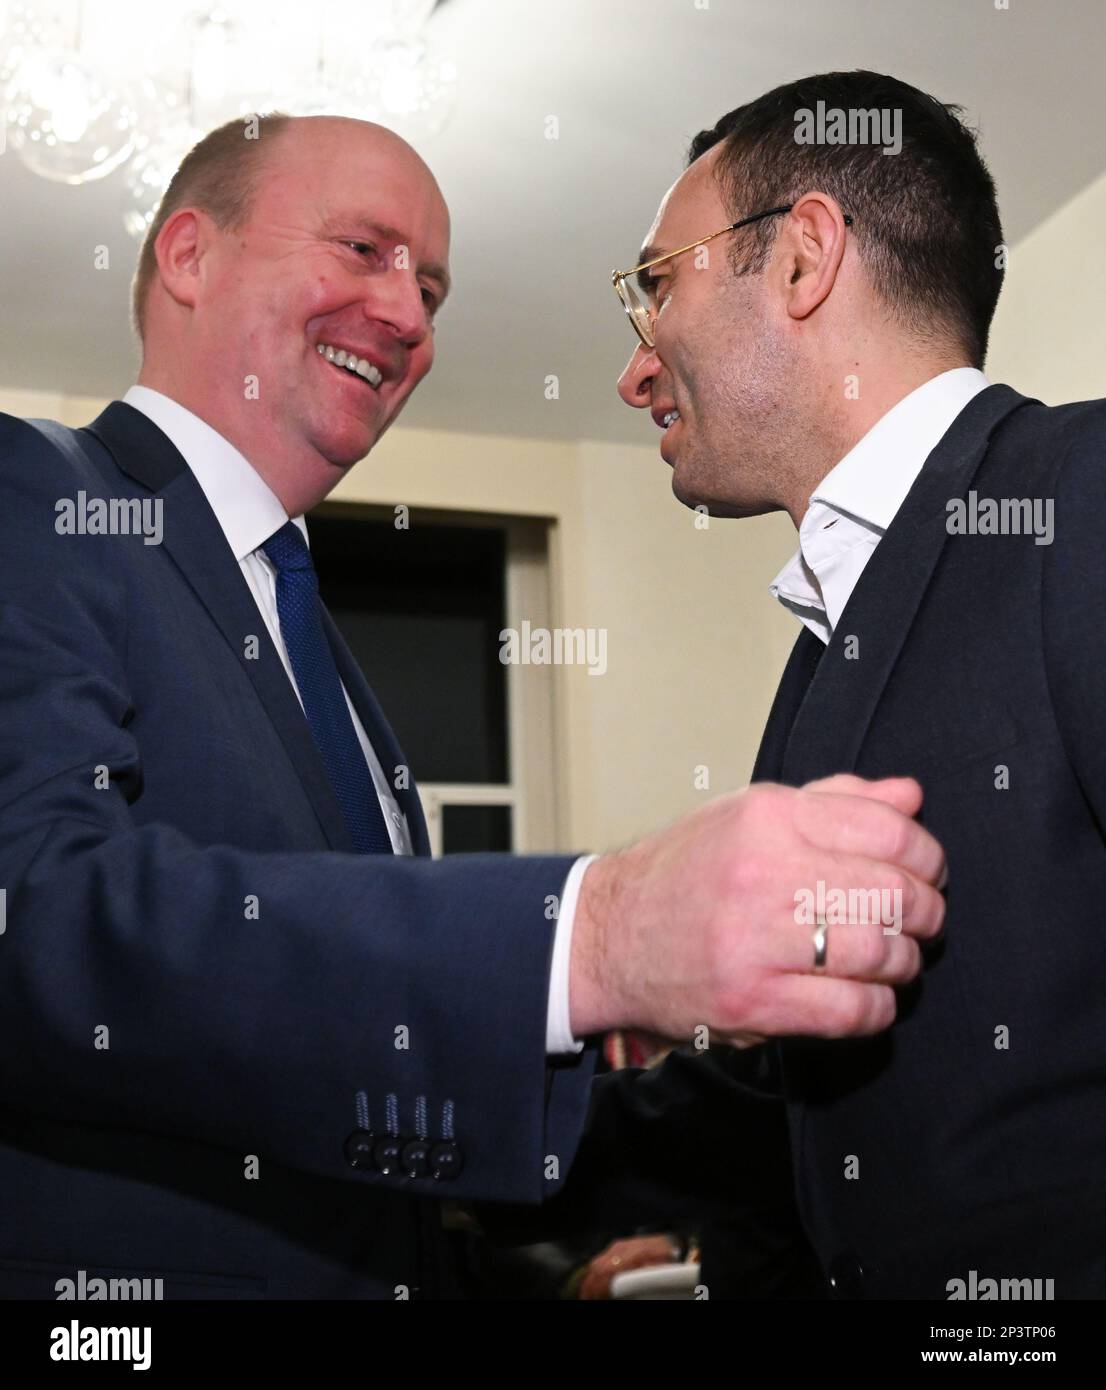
(640, 314)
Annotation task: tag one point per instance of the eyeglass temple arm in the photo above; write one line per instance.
(618, 276)
(774, 212)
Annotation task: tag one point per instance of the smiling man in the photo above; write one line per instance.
(810, 336)
(294, 279)
(250, 1032)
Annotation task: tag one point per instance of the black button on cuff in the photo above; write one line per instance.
(445, 1160)
(415, 1159)
(358, 1148)
(386, 1154)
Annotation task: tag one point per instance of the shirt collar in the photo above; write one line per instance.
(856, 501)
(246, 508)
(872, 480)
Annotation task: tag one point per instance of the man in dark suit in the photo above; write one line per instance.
(824, 359)
(248, 1032)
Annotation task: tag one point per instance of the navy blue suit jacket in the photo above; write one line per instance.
(971, 1135)
(158, 1031)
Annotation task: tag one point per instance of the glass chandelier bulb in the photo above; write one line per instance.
(63, 122)
(408, 86)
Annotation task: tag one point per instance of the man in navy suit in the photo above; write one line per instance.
(249, 1032)
(825, 359)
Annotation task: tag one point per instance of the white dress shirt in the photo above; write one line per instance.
(855, 503)
(249, 512)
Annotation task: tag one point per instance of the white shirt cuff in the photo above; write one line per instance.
(558, 1030)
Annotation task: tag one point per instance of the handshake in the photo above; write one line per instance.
(699, 926)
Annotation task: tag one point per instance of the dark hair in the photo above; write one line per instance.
(925, 219)
(221, 175)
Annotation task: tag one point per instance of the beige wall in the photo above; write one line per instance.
(1049, 335)
(695, 645)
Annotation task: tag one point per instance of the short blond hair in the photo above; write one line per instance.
(220, 174)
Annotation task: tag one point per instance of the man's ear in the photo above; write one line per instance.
(180, 248)
(815, 236)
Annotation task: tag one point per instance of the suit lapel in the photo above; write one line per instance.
(194, 539)
(794, 685)
(832, 721)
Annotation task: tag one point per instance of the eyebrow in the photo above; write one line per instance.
(645, 278)
(398, 238)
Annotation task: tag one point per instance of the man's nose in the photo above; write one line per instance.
(635, 383)
(396, 299)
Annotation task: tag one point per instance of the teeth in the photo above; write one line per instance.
(670, 418)
(361, 366)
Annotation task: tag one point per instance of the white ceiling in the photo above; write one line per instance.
(539, 224)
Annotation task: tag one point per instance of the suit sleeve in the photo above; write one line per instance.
(137, 994)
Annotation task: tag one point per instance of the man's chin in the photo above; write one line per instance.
(692, 494)
(345, 448)
(700, 497)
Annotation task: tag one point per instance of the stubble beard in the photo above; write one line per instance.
(742, 448)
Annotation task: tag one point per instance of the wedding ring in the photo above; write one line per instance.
(821, 941)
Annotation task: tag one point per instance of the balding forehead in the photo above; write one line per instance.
(310, 126)
(345, 134)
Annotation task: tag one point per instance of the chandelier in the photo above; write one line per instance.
(89, 87)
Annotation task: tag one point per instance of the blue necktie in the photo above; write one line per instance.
(300, 612)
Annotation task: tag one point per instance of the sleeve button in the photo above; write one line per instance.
(358, 1148)
(445, 1159)
(386, 1153)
